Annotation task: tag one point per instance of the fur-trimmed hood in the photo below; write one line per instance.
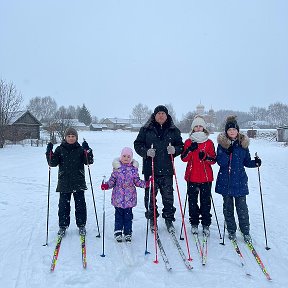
(225, 142)
(117, 163)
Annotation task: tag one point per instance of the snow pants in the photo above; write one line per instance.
(64, 208)
(165, 185)
(242, 212)
(202, 211)
(123, 220)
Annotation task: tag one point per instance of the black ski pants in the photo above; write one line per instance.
(64, 208)
(242, 212)
(199, 212)
(165, 185)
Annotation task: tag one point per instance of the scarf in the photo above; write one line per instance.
(198, 137)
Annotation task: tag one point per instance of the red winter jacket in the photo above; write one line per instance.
(199, 171)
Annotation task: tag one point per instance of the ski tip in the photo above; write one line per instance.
(156, 261)
(147, 252)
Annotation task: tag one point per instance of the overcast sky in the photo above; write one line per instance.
(226, 54)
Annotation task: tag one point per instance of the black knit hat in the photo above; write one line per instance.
(160, 108)
(231, 122)
(71, 131)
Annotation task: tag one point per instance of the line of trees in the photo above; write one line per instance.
(57, 119)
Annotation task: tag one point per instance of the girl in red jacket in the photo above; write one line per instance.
(199, 153)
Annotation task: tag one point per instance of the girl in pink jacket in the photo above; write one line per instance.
(124, 180)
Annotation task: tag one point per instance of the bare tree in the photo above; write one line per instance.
(61, 122)
(171, 112)
(43, 108)
(10, 102)
(277, 114)
(141, 113)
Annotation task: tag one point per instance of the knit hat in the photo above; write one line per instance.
(160, 108)
(71, 131)
(198, 121)
(231, 122)
(127, 151)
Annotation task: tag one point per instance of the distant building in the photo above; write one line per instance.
(97, 127)
(120, 123)
(22, 125)
(210, 117)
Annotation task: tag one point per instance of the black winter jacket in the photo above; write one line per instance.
(160, 136)
(71, 159)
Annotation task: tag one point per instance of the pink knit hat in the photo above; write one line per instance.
(127, 151)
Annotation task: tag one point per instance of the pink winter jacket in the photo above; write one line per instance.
(124, 180)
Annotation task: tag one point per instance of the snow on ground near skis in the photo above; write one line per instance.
(23, 208)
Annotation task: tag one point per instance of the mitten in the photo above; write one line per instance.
(151, 152)
(171, 149)
(193, 146)
(49, 147)
(229, 150)
(258, 161)
(85, 145)
(148, 182)
(202, 155)
(104, 186)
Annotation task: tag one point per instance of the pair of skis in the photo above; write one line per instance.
(179, 249)
(57, 250)
(202, 248)
(255, 255)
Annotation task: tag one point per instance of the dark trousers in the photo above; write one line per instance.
(242, 212)
(123, 220)
(202, 212)
(165, 185)
(64, 209)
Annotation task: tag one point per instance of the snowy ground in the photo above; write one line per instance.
(23, 207)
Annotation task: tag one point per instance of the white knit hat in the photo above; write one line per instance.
(198, 121)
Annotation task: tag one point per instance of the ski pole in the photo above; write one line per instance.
(181, 210)
(147, 212)
(48, 198)
(154, 212)
(223, 242)
(181, 238)
(216, 216)
(103, 241)
(147, 224)
(86, 154)
(267, 248)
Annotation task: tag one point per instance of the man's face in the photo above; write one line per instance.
(161, 117)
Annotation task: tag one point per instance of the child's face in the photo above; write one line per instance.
(125, 159)
(232, 133)
(198, 128)
(70, 139)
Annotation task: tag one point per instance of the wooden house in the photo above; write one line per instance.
(22, 125)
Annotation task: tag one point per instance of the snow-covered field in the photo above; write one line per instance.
(23, 208)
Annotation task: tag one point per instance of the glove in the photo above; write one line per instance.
(229, 150)
(151, 152)
(104, 186)
(258, 161)
(202, 155)
(193, 146)
(85, 145)
(148, 182)
(171, 149)
(49, 147)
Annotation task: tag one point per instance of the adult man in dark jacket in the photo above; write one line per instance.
(159, 138)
